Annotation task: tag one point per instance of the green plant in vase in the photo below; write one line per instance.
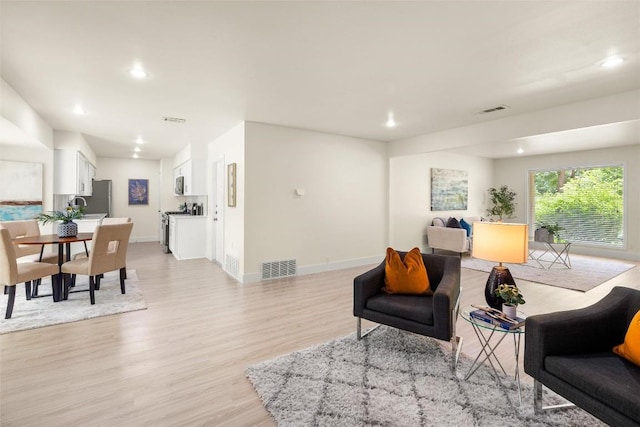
(512, 297)
(503, 203)
(67, 227)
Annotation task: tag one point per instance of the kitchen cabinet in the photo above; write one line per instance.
(194, 173)
(187, 236)
(72, 173)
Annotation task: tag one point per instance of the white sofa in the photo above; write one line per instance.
(439, 236)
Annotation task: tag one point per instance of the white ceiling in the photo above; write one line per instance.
(337, 67)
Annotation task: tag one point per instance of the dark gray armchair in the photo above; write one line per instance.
(570, 353)
(434, 316)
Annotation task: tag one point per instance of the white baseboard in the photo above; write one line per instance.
(250, 278)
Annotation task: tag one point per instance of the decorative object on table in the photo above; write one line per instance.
(499, 242)
(394, 378)
(231, 185)
(138, 191)
(496, 317)
(449, 190)
(20, 190)
(547, 232)
(502, 202)
(511, 297)
(67, 227)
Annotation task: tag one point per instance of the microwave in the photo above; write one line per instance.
(179, 185)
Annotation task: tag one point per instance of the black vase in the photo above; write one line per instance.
(499, 276)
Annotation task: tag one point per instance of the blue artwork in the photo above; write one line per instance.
(138, 191)
(11, 213)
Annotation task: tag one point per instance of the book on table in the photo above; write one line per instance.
(497, 318)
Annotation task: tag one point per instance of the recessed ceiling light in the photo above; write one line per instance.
(612, 62)
(79, 110)
(391, 123)
(137, 149)
(138, 72)
(520, 150)
(139, 140)
(135, 155)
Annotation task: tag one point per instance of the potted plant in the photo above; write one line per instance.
(502, 201)
(67, 227)
(511, 296)
(546, 232)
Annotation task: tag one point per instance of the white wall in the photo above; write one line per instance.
(146, 218)
(514, 172)
(15, 110)
(341, 220)
(410, 194)
(230, 148)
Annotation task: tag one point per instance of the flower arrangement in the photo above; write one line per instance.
(510, 294)
(66, 216)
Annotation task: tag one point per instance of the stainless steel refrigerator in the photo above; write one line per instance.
(100, 201)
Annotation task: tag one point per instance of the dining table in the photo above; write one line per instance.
(64, 248)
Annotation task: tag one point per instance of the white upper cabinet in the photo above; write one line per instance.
(73, 173)
(194, 172)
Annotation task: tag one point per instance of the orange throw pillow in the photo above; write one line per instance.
(630, 348)
(408, 276)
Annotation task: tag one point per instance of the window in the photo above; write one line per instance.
(587, 203)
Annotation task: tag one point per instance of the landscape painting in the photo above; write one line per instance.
(20, 190)
(449, 190)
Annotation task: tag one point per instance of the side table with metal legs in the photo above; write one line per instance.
(490, 337)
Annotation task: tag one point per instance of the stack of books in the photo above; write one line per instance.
(495, 317)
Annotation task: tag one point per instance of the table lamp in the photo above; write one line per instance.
(500, 242)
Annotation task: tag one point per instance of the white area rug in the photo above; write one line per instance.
(586, 273)
(393, 378)
(39, 312)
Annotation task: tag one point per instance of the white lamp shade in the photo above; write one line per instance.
(501, 242)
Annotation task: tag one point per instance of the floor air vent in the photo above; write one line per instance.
(271, 270)
(232, 265)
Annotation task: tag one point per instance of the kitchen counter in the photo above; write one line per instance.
(92, 217)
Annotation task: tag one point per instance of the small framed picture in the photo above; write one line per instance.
(138, 191)
(231, 185)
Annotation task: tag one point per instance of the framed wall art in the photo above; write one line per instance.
(138, 191)
(231, 185)
(20, 190)
(449, 190)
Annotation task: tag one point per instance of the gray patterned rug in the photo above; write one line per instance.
(40, 312)
(585, 274)
(393, 378)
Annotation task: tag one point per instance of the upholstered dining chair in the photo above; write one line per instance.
(12, 272)
(29, 228)
(106, 221)
(108, 253)
(430, 315)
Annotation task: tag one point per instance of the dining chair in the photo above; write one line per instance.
(108, 253)
(106, 221)
(26, 253)
(12, 272)
(28, 227)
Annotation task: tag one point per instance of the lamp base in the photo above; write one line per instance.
(499, 275)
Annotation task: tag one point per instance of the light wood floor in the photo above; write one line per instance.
(182, 361)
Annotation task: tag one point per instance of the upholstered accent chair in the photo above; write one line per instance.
(108, 253)
(433, 316)
(12, 272)
(570, 352)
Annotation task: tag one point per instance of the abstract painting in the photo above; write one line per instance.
(20, 190)
(449, 190)
(138, 191)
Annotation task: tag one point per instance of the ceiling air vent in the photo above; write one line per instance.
(494, 109)
(173, 120)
